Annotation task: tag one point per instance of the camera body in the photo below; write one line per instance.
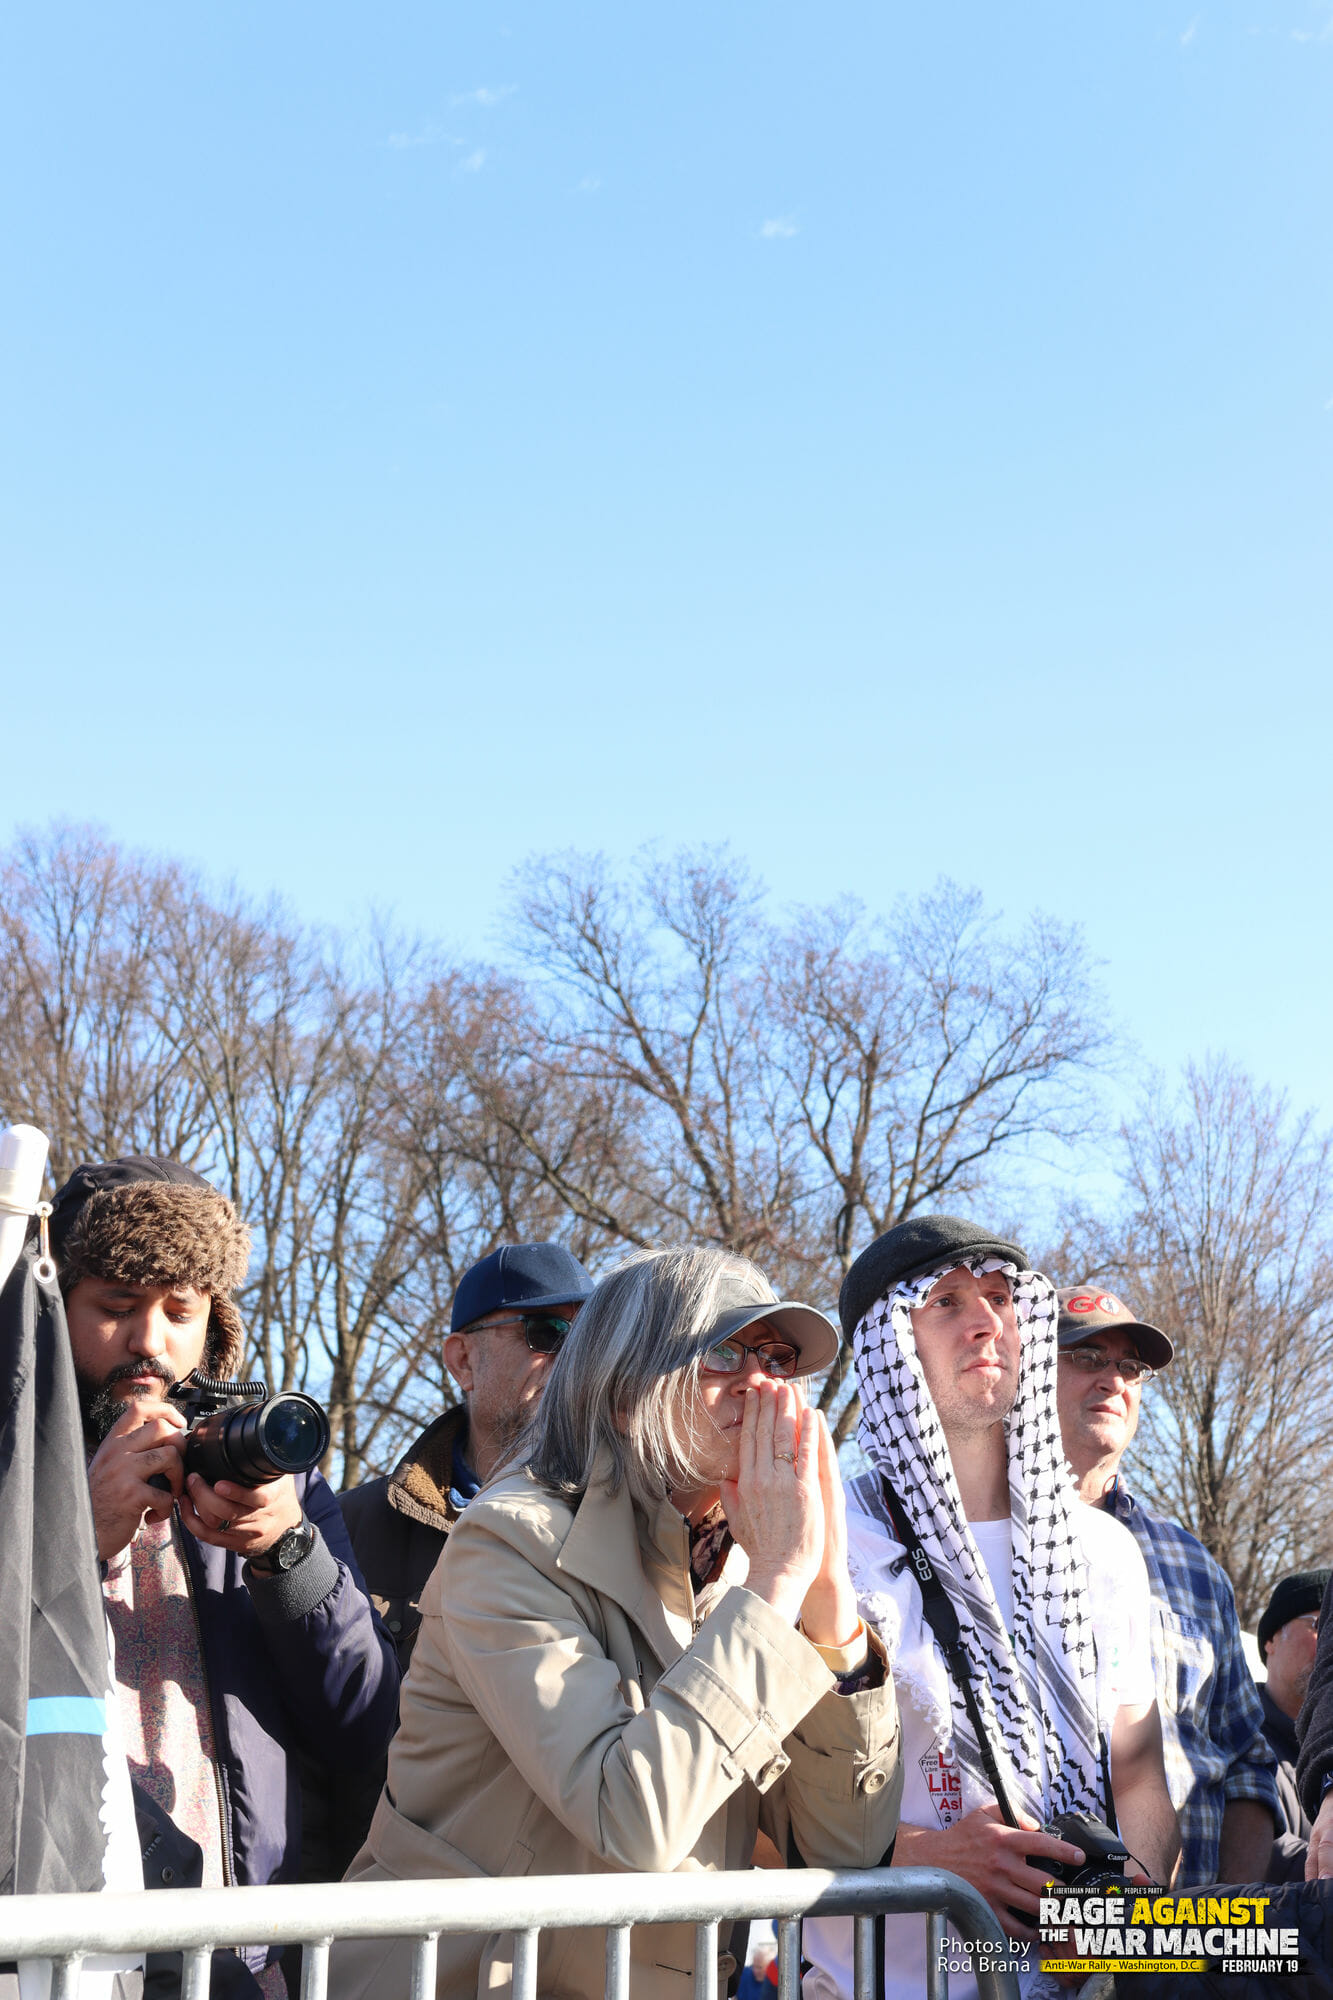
(1105, 1856)
(237, 1431)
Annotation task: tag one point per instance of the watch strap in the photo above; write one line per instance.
(291, 1548)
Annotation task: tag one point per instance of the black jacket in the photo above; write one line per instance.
(296, 1665)
(1314, 1726)
(1293, 1828)
(171, 1860)
(398, 1526)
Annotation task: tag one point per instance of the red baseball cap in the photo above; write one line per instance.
(1087, 1310)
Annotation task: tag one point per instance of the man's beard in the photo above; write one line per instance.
(102, 1407)
(509, 1427)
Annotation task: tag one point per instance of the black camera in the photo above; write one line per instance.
(238, 1431)
(1105, 1856)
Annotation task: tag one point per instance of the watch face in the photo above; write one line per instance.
(289, 1548)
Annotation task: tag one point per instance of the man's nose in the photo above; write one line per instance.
(148, 1331)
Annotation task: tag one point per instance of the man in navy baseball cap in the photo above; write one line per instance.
(511, 1313)
(519, 1278)
(510, 1316)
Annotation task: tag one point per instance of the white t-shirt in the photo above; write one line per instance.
(1119, 1606)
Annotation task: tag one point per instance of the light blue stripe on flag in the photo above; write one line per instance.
(66, 1715)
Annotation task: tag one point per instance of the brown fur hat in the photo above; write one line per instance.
(164, 1227)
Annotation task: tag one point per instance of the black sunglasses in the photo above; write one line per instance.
(544, 1333)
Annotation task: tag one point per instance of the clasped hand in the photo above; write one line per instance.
(148, 1440)
(785, 1507)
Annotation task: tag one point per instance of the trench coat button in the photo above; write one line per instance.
(168, 1876)
(774, 1768)
(874, 1781)
(395, 1624)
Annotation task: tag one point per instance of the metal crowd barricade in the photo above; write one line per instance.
(68, 1929)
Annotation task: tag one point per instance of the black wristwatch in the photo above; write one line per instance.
(286, 1552)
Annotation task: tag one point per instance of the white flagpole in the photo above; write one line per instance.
(23, 1151)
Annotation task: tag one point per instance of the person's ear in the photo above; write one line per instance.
(458, 1360)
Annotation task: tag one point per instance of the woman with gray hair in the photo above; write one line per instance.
(642, 1646)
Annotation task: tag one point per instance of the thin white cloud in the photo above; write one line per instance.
(780, 225)
(1324, 34)
(474, 162)
(588, 185)
(485, 95)
(1191, 31)
(427, 135)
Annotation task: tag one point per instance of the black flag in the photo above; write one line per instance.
(64, 1791)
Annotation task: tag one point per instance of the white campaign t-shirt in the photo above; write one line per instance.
(1119, 1608)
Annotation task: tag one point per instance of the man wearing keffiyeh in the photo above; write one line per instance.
(955, 1347)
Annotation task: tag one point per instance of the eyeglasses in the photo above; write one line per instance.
(775, 1357)
(543, 1332)
(1092, 1360)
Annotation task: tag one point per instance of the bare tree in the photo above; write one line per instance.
(802, 1087)
(674, 1065)
(1225, 1243)
(82, 1052)
(654, 1000)
(917, 1054)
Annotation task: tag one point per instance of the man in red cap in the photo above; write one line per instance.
(1219, 1766)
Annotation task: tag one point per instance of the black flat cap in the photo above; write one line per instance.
(1295, 1597)
(908, 1250)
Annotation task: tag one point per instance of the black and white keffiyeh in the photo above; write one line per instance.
(1036, 1693)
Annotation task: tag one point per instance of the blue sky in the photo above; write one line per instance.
(892, 439)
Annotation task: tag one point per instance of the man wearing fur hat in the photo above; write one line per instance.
(243, 1635)
(954, 1339)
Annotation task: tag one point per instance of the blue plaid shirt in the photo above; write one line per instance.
(1212, 1721)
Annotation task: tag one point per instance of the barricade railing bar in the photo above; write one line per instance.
(68, 1929)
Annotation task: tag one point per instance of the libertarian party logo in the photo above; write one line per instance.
(1127, 1927)
(944, 1784)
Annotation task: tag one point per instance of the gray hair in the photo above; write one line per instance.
(613, 1398)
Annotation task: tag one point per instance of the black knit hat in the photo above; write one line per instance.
(1295, 1597)
(910, 1249)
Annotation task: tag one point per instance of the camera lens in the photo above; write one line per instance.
(292, 1432)
(256, 1441)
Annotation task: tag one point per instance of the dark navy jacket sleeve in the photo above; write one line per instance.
(336, 1665)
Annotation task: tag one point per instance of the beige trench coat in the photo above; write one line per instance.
(569, 1709)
